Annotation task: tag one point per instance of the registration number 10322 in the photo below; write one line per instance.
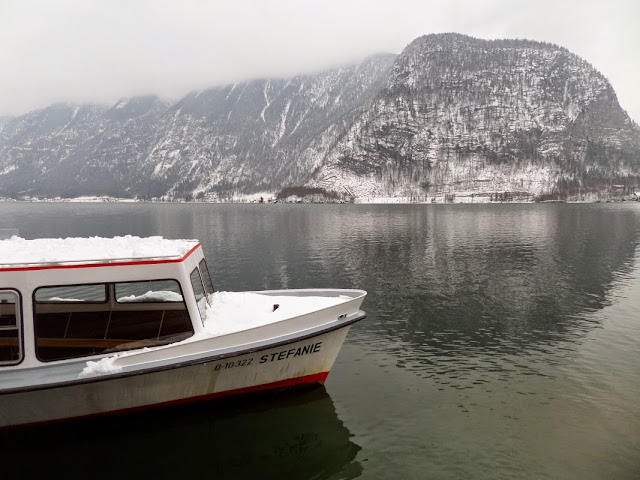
(236, 363)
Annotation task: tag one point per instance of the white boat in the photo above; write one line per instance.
(96, 326)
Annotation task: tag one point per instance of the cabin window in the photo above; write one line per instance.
(198, 290)
(72, 321)
(152, 291)
(10, 328)
(206, 278)
(96, 293)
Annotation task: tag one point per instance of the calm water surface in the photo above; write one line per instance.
(503, 341)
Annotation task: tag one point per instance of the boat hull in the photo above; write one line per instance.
(298, 362)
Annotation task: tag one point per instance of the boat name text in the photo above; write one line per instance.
(294, 352)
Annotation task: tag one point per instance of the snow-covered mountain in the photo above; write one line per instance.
(255, 136)
(451, 115)
(468, 117)
(66, 150)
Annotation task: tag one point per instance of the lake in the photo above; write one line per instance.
(502, 341)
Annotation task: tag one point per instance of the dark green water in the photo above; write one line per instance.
(503, 341)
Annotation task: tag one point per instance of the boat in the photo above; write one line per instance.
(96, 326)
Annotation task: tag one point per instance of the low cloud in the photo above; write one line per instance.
(80, 51)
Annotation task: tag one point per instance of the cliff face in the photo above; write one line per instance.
(452, 116)
(461, 116)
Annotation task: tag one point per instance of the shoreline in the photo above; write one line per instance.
(359, 201)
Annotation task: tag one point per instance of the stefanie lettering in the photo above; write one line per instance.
(291, 353)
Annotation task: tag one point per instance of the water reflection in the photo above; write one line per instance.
(294, 436)
(463, 295)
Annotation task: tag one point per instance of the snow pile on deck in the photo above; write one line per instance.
(235, 311)
(103, 366)
(17, 250)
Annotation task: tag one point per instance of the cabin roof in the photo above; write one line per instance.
(17, 252)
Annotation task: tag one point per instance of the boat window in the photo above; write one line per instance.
(151, 291)
(198, 290)
(10, 328)
(206, 278)
(133, 315)
(96, 293)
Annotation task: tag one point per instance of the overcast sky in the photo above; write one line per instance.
(98, 51)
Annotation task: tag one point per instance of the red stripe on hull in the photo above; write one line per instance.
(290, 382)
(316, 378)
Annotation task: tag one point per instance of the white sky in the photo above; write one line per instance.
(98, 51)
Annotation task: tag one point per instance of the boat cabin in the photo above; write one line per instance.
(92, 296)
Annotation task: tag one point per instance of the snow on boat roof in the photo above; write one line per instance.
(45, 251)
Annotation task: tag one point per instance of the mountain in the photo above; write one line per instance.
(468, 117)
(71, 151)
(450, 118)
(259, 135)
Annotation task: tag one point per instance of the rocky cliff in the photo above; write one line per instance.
(473, 118)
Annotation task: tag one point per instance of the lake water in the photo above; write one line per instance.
(502, 341)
